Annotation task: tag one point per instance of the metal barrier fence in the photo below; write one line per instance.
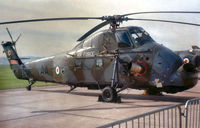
(192, 113)
(174, 116)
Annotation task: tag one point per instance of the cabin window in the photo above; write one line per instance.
(99, 62)
(43, 70)
(123, 39)
(78, 63)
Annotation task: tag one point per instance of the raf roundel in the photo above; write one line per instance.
(9, 53)
(57, 70)
(186, 60)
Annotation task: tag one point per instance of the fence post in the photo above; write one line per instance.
(187, 104)
(180, 116)
(186, 113)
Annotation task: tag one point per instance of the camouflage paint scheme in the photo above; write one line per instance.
(91, 63)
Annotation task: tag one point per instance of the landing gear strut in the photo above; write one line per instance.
(71, 89)
(109, 94)
(31, 82)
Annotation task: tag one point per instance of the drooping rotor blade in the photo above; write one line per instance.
(98, 18)
(93, 30)
(151, 12)
(50, 19)
(9, 34)
(108, 19)
(167, 21)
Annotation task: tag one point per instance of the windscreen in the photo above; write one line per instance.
(123, 39)
(139, 36)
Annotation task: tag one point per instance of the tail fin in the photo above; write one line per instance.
(16, 64)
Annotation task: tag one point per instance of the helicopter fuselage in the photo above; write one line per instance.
(126, 57)
(118, 57)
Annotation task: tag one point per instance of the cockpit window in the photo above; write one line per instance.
(123, 39)
(139, 36)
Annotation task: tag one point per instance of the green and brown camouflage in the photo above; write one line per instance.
(129, 53)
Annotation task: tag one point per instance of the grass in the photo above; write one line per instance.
(8, 79)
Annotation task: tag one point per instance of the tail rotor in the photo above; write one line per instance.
(13, 42)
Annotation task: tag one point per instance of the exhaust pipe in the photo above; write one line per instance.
(136, 69)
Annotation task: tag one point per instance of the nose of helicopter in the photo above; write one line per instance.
(170, 73)
(184, 78)
(165, 63)
(197, 61)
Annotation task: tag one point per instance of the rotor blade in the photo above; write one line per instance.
(18, 37)
(168, 21)
(50, 19)
(93, 30)
(97, 18)
(151, 12)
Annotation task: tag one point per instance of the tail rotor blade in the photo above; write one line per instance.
(18, 37)
(14, 42)
(9, 34)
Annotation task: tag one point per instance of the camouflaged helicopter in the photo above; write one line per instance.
(112, 60)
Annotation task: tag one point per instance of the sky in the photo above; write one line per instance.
(50, 38)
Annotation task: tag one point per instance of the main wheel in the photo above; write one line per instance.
(109, 94)
(28, 88)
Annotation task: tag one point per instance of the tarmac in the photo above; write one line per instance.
(52, 106)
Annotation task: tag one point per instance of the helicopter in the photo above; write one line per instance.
(112, 60)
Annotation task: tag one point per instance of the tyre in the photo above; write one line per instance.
(109, 94)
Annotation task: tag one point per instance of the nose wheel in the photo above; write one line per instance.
(109, 94)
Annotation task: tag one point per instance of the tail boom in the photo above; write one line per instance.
(16, 64)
